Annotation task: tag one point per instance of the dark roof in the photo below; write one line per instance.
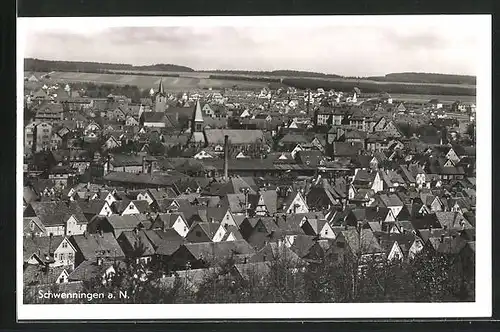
(218, 250)
(153, 117)
(31, 245)
(128, 222)
(145, 178)
(138, 240)
(92, 246)
(57, 213)
(165, 242)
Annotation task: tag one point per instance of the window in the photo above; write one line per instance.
(32, 226)
(64, 245)
(198, 233)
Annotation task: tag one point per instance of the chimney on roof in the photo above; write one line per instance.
(226, 156)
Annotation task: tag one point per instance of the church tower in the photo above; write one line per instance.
(197, 135)
(197, 119)
(160, 98)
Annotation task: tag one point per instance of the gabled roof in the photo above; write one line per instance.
(156, 117)
(92, 246)
(166, 220)
(39, 275)
(138, 240)
(218, 250)
(210, 228)
(45, 244)
(57, 213)
(452, 220)
(27, 224)
(390, 200)
(165, 242)
(363, 242)
(128, 222)
(236, 136)
(93, 206)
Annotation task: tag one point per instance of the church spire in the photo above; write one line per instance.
(197, 120)
(198, 116)
(160, 87)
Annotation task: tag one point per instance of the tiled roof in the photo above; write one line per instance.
(236, 136)
(138, 241)
(218, 250)
(364, 243)
(57, 213)
(44, 244)
(128, 222)
(97, 245)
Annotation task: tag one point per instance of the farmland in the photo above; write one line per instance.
(445, 99)
(148, 81)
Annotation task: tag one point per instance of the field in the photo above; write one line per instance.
(250, 76)
(147, 82)
(445, 99)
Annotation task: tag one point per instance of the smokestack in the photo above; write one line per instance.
(226, 156)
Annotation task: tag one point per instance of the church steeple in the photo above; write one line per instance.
(197, 120)
(161, 90)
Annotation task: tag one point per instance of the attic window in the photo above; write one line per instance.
(198, 233)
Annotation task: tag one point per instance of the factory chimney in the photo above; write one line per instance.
(226, 156)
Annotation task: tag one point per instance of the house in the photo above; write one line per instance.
(263, 203)
(90, 247)
(131, 121)
(220, 214)
(175, 221)
(35, 276)
(115, 224)
(435, 104)
(295, 203)
(400, 246)
(232, 234)
(95, 207)
(391, 201)
(41, 136)
(58, 218)
(136, 245)
(366, 180)
(205, 232)
(154, 119)
(319, 228)
(32, 226)
(101, 268)
(360, 246)
(126, 207)
(51, 251)
(265, 230)
(112, 143)
(196, 255)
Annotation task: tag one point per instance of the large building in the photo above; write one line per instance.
(42, 136)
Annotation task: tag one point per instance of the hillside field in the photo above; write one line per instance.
(147, 82)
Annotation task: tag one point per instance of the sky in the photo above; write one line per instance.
(356, 46)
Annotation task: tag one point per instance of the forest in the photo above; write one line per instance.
(37, 65)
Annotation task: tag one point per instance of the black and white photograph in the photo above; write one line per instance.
(254, 167)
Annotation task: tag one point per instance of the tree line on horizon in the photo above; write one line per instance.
(37, 65)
